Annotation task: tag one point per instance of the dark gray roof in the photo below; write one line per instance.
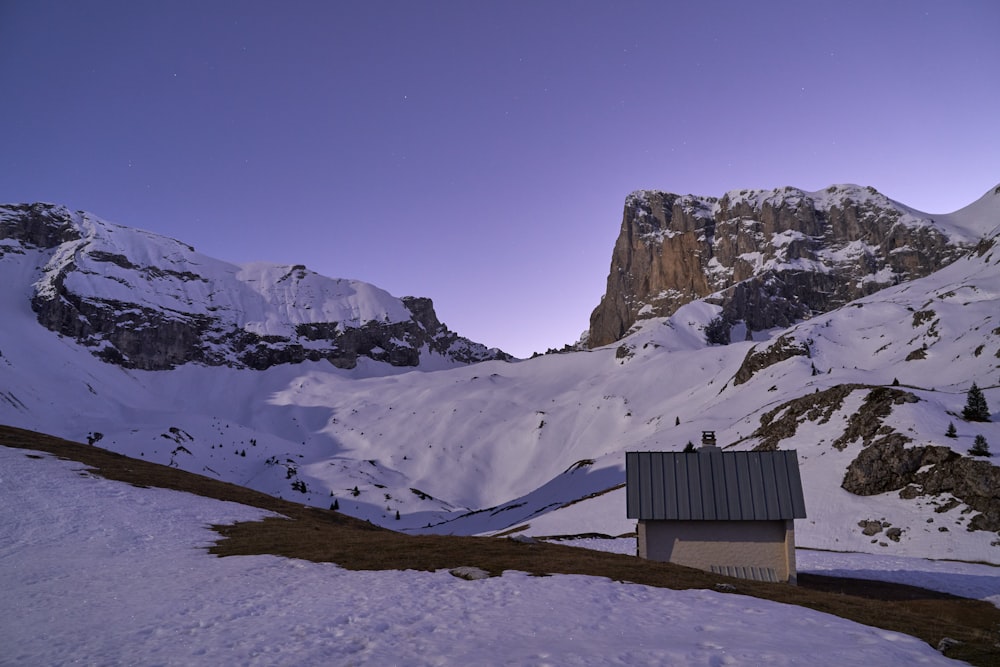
(714, 485)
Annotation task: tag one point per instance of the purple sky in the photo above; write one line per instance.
(479, 153)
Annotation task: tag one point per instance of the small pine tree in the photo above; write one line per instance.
(951, 432)
(976, 409)
(688, 448)
(677, 421)
(336, 505)
(717, 332)
(980, 447)
(397, 515)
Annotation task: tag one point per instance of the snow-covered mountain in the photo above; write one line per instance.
(140, 300)
(865, 393)
(768, 257)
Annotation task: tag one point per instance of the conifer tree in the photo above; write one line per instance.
(951, 432)
(980, 447)
(976, 409)
(717, 332)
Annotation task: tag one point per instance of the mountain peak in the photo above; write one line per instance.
(142, 300)
(771, 257)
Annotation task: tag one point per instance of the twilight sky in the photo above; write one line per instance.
(479, 153)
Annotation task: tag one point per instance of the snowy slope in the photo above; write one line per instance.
(102, 572)
(266, 298)
(538, 445)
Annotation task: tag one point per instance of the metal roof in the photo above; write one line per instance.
(714, 485)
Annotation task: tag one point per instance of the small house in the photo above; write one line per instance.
(727, 512)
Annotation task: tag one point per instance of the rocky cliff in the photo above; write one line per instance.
(768, 257)
(144, 301)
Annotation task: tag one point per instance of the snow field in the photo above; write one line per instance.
(101, 572)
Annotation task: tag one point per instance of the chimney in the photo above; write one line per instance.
(708, 442)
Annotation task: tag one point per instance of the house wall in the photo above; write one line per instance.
(702, 544)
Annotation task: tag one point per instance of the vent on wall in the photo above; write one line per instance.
(746, 572)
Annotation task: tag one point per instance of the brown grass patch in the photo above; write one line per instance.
(321, 535)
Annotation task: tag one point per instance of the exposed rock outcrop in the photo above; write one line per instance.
(928, 471)
(768, 258)
(783, 421)
(784, 347)
(866, 424)
(886, 462)
(35, 226)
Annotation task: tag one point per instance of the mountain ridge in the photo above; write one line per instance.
(537, 446)
(141, 300)
(769, 257)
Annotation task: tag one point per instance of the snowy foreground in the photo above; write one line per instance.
(99, 572)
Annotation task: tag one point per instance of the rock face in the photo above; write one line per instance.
(144, 301)
(768, 257)
(784, 347)
(928, 471)
(885, 462)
